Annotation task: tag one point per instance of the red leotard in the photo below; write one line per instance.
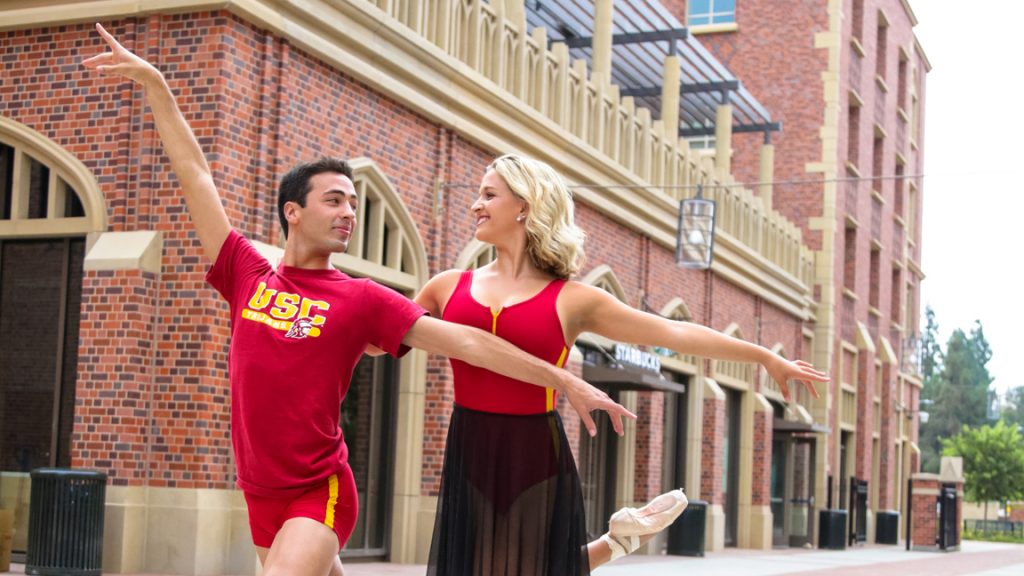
(532, 325)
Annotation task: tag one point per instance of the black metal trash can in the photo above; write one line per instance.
(65, 522)
(686, 534)
(832, 530)
(888, 529)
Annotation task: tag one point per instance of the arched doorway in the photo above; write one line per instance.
(49, 203)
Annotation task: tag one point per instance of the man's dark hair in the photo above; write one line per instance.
(295, 184)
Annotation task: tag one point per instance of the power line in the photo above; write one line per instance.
(733, 185)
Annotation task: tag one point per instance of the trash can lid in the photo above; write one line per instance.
(67, 473)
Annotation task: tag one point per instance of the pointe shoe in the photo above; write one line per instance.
(652, 518)
(627, 525)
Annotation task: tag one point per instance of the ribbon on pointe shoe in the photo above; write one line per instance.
(627, 525)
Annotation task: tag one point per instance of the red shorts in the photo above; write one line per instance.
(334, 503)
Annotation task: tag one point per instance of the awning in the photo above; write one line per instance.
(643, 33)
(779, 425)
(622, 378)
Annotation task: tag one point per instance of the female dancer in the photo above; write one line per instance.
(510, 500)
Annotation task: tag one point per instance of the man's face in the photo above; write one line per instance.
(328, 219)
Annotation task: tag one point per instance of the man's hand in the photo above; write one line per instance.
(782, 371)
(585, 398)
(186, 156)
(121, 62)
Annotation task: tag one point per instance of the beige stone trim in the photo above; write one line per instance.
(864, 342)
(141, 250)
(714, 528)
(176, 531)
(602, 276)
(714, 28)
(886, 351)
(910, 12)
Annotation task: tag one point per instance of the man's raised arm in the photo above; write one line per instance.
(187, 160)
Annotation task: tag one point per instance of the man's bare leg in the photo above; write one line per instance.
(302, 547)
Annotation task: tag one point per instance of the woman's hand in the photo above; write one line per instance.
(782, 371)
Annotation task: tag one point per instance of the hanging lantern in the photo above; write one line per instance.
(695, 237)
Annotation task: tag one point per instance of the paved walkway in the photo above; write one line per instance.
(978, 558)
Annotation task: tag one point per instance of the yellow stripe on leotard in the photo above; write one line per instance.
(550, 403)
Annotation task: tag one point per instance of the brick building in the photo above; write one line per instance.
(847, 166)
(128, 373)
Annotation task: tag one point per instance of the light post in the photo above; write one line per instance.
(695, 236)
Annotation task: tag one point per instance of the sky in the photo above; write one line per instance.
(974, 167)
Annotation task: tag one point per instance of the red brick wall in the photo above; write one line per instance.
(154, 376)
(925, 522)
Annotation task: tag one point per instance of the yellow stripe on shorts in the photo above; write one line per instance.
(332, 500)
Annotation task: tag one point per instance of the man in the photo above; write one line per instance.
(297, 333)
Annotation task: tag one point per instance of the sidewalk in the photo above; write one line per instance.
(979, 558)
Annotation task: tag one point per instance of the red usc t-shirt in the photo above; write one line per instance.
(296, 336)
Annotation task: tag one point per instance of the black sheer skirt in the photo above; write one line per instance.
(510, 501)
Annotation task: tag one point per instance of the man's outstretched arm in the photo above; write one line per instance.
(187, 159)
(485, 350)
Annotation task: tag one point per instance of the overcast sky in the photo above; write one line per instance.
(974, 166)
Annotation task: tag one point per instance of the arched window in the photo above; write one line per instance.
(386, 245)
(44, 190)
(731, 373)
(475, 255)
(604, 278)
(676, 309)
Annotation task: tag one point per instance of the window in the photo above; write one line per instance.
(901, 81)
(853, 134)
(899, 185)
(873, 288)
(881, 48)
(895, 295)
(850, 265)
(705, 142)
(702, 12)
(858, 20)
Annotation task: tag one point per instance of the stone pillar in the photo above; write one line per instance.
(723, 138)
(760, 506)
(924, 518)
(601, 71)
(766, 174)
(671, 77)
(711, 465)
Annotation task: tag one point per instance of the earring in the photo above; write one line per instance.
(520, 218)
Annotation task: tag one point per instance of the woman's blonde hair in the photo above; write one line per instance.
(553, 241)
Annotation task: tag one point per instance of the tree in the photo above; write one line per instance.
(1013, 412)
(931, 350)
(993, 462)
(956, 395)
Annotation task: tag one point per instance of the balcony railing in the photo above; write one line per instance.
(559, 87)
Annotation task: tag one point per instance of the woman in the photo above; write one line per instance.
(510, 500)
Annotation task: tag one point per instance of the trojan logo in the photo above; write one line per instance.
(300, 328)
(290, 313)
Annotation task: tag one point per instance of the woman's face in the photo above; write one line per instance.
(496, 209)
